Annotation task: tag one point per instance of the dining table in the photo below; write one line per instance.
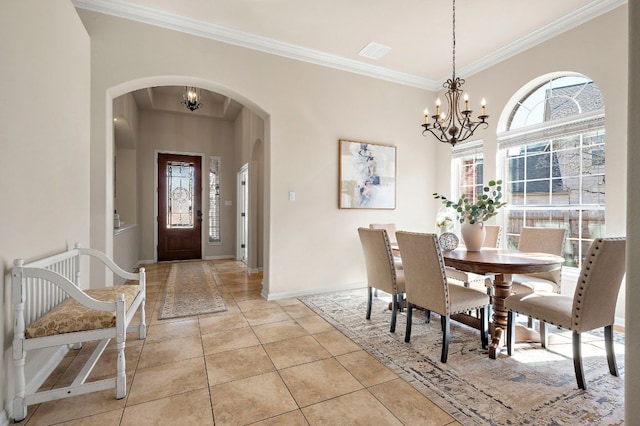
(501, 264)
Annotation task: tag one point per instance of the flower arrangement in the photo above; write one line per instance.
(445, 220)
(484, 208)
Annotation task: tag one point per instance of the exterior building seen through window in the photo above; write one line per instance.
(554, 163)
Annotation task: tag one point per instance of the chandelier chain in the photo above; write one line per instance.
(454, 40)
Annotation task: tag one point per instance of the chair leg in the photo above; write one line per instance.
(577, 361)
(400, 297)
(484, 326)
(530, 322)
(446, 328)
(407, 332)
(369, 300)
(611, 356)
(544, 339)
(511, 331)
(394, 313)
(427, 316)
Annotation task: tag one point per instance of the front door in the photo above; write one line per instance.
(179, 207)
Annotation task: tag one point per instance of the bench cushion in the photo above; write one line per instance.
(71, 316)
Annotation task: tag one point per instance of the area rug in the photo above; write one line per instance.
(191, 290)
(533, 387)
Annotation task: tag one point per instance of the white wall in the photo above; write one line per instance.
(310, 244)
(44, 138)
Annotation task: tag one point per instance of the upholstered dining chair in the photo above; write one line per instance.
(382, 274)
(426, 286)
(389, 227)
(469, 279)
(540, 240)
(592, 306)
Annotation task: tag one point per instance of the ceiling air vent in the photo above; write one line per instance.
(374, 50)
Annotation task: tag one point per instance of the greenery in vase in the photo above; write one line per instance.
(485, 207)
(445, 222)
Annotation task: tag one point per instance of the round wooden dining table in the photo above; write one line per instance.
(502, 264)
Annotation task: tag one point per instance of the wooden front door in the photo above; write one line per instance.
(179, 207)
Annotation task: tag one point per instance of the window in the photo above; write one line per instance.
(554, 160)
(214, 200)
(467, 170)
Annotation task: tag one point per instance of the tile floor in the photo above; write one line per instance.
(261, 362)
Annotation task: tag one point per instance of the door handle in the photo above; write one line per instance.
(199, 214)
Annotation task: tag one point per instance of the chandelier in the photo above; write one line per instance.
(191, 98)
(456, 125)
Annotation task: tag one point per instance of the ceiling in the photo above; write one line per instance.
(169, 99)
(332, 32)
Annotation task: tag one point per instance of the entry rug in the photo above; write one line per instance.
(191, 290)
(534, 387)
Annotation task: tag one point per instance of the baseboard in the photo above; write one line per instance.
(219, 257)
(289, 294)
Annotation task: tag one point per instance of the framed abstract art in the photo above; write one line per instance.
(367, 176)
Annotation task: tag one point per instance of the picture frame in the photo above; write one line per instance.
(367, 175)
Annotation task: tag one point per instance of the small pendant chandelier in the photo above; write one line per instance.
(456, 125)
(191, 98)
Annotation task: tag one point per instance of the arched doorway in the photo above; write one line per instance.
(251, 113)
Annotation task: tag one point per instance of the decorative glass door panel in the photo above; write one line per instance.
(180, 196)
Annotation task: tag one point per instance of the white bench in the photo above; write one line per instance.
(51, 311)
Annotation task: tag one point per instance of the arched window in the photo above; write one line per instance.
(553, 151)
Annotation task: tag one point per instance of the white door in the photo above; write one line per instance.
(243, 212)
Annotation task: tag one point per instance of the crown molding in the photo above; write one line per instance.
(147, 15)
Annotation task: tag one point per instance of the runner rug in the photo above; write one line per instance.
(191, 290)
(533, 387)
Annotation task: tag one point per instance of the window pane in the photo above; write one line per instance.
(470, 176)
(593, 190)
(594, 224)
(568, 142)
(180, 194)
(569, 162)
(214, 200)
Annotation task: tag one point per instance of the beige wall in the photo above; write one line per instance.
(44, 138)
(183, 133)
(307, 108)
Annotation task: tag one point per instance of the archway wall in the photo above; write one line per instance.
(310, 245)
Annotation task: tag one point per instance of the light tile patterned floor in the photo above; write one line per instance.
(261, 362)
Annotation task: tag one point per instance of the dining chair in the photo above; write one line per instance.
(592, 306)
(540, 240)
(389, 227)
(426, 286)
(382, 274)
(469, 279)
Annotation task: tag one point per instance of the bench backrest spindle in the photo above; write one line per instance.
(40, 295)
